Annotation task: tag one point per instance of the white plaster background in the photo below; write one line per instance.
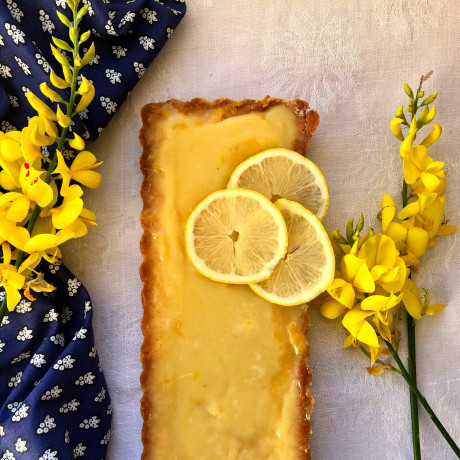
(349, 59)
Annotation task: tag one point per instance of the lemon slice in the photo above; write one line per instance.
(236, 236)
(282, 173)
(308, 267)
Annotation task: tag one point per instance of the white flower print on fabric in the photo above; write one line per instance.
(47, 23)
(149, 15)
(64, 363)
(109, 26)
(68, 155)
(49, 455)
(119, 51)
(23, 307)
(105, 440)
(85, 379)
(66, 314)
(15, 12)
(92, 353)
(47, 425)
(100, 396)
(5, 127)
(71, 406)
(61, 4)
(109, 106)
(84, 114)
(72, 285)
(38, 359)
(41, 61)
(87, 308)
(139, 68)
(79, 450)
(128, 17)
(2, 43)
(22, 65)
(55, 266)
(113, 76)
(5, 321)
(67, 436)
(37, 383)
(5, 71)
(8, 455)
(58, 339)
(147, 42)
(14, 101)
(15, 380)
(16, 34)
(13, 407)
(169, 31)
(24, 334)
(21, 413)
(2, 431)
(90, 7)
(92, 422)
(53, 393)
(18, 359)
(80, 335)
(25, 90)
(51, 316)
(2, 345)
(109, 409)
(20, 445)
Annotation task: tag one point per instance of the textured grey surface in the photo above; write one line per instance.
(349, 59)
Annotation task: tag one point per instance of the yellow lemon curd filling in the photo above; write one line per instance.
(223, 383)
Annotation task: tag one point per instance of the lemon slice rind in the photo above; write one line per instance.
(272, 218)
(287, 271)
(282, 181)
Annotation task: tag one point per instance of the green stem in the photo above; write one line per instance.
(423, 401)
(52, 164)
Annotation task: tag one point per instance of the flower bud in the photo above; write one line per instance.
(395, 126)
(433, 136)
(68, 74)
(420, 94)
(63, 19)
(408, 90)
(88, 57)
(430, 99)
(350, 231)
(84, 36)
(50, 93)
(58, 82)
(60, 57)
(73, 34)
(400, 113)
(40, 106)
(62, 118)
(61, 44)
(410, 107)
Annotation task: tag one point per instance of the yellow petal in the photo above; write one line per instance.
(374, 302)
(433, 136)
(430, 181)
(410, 171)
(395, 126)
(364, 280)
(67, 213)
(10, 150)
(417, 240)
(62, 118)
(375, 370)
(398, 282)
(30, 263)
(388, 211)
(332, 309)
(412, 304)
(19, 209)
(91, 179)
(40, 106)
(446, 230)
(18, 237)
(41, 242)
(84, 160)
(348, 341)
(40, 139)
(6, 182)
(13, 278)
(410, 210)
(375, 353)
(40, 192)
(353, 320)
(78, 227)
(367, 335)
(77, 142)
(12, 297)
(434, 309)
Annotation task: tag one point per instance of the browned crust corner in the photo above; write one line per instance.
(218, 109)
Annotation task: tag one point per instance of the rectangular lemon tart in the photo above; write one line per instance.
(225, 373)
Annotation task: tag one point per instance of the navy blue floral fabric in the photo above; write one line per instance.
(128, 35)
(54, 403)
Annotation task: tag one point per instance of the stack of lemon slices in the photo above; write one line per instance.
(265, 229)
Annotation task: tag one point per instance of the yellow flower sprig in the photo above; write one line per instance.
(42, 208)
(373, 278)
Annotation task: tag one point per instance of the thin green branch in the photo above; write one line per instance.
(423, 401)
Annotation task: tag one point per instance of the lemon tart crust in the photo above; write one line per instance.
(153, 115)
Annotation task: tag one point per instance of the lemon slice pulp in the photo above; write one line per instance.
(308, 267)
(236, 236)
(282, 173)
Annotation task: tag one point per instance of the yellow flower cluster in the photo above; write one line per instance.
(373, 279)
(42, 205)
